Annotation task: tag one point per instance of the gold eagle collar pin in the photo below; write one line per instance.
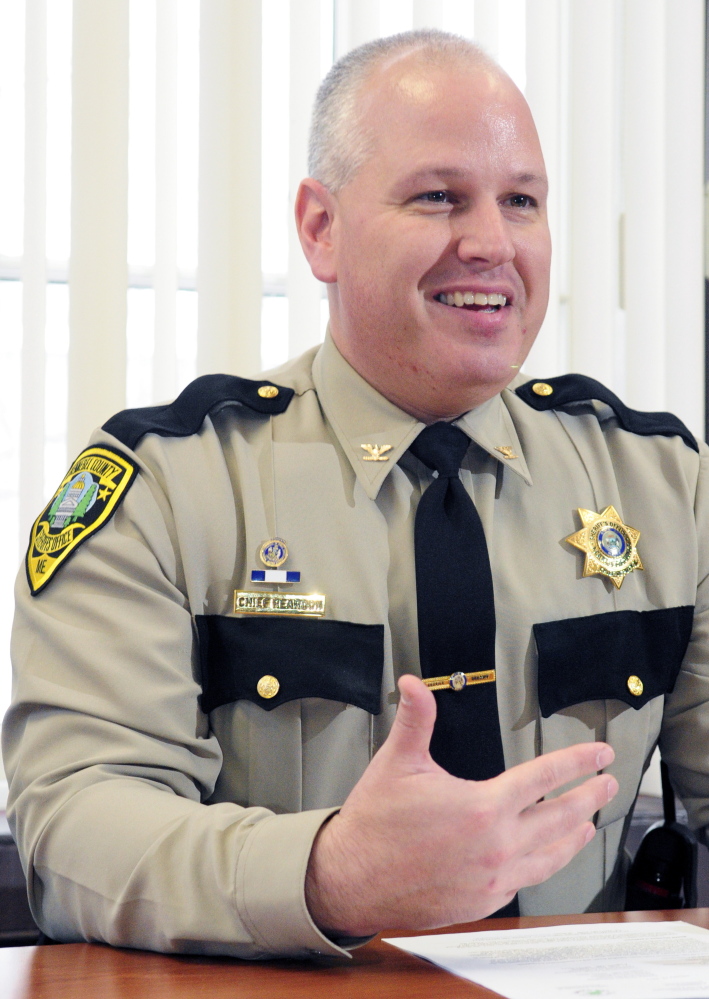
(376, 452)
(610, 545)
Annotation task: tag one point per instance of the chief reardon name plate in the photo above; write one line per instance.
(279, 604)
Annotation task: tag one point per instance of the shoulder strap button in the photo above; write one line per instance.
(542, 388)
(267, 391)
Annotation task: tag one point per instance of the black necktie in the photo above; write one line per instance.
(456, 610)
(456, 614)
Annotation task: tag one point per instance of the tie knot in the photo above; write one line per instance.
(441, 447)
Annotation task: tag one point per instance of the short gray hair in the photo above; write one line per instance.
(339, 144)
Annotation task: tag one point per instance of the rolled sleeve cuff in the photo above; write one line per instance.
(270, 886)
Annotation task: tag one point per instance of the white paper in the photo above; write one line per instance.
(667, 960)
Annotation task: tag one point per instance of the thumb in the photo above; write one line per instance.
(410, 734)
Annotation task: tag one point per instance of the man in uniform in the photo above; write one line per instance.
(207, 748)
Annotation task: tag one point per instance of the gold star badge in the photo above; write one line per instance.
(610, 545)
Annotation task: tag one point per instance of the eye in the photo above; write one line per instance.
(436, 197)
(522, 201)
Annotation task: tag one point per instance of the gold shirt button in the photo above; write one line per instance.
(635, 686)
(542, 388)
(268, 686)
(267, 391)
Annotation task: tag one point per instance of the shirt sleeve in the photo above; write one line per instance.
(110, 761)
(684, 740)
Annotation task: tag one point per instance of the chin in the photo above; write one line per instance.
(488, 374)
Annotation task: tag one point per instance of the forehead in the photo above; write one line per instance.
(466, 114)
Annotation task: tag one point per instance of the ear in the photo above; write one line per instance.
(315, 209)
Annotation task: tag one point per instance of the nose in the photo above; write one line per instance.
(484, 236)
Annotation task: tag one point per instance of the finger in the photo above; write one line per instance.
(551, 820)
(528, 782)
(410, 735)
(542, 863)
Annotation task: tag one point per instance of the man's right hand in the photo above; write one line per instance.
(415, 848)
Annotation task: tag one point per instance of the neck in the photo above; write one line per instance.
(418, 393)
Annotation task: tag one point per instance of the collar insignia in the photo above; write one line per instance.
(506, 451)
(609, 544)
(376, 452)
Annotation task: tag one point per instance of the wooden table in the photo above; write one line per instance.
(376, 971)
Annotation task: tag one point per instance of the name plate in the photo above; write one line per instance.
(279, 604)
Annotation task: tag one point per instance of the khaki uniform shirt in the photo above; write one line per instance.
(146, 822)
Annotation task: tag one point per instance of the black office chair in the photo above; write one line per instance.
(17, 927)
(663, 874)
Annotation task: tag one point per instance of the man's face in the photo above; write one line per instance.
(451, 204)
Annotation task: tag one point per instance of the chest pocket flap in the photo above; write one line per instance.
(603, 656)
(336, 660)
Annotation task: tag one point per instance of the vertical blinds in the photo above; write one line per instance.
(33, 269)
(98, 264)
(616, 87)
(229, 248)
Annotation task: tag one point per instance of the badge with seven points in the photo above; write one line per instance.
(610, 545)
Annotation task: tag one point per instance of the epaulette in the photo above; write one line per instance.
(187, 413)
(554, 393)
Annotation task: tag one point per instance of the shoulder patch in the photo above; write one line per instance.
(87, 498)
(559, 392)
(187, 413)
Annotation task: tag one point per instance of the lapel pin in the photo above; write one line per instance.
(273, 553)
(376, 452)
(506, 451)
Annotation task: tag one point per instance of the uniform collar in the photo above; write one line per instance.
(368, 426)
(491, 427)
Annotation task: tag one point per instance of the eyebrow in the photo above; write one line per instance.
(531, 178)
(456, 173)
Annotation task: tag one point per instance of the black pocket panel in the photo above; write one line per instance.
(591, 658)
(337, 660)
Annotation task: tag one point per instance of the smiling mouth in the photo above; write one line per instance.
(478, 301)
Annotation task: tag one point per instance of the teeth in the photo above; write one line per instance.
(460, 298)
